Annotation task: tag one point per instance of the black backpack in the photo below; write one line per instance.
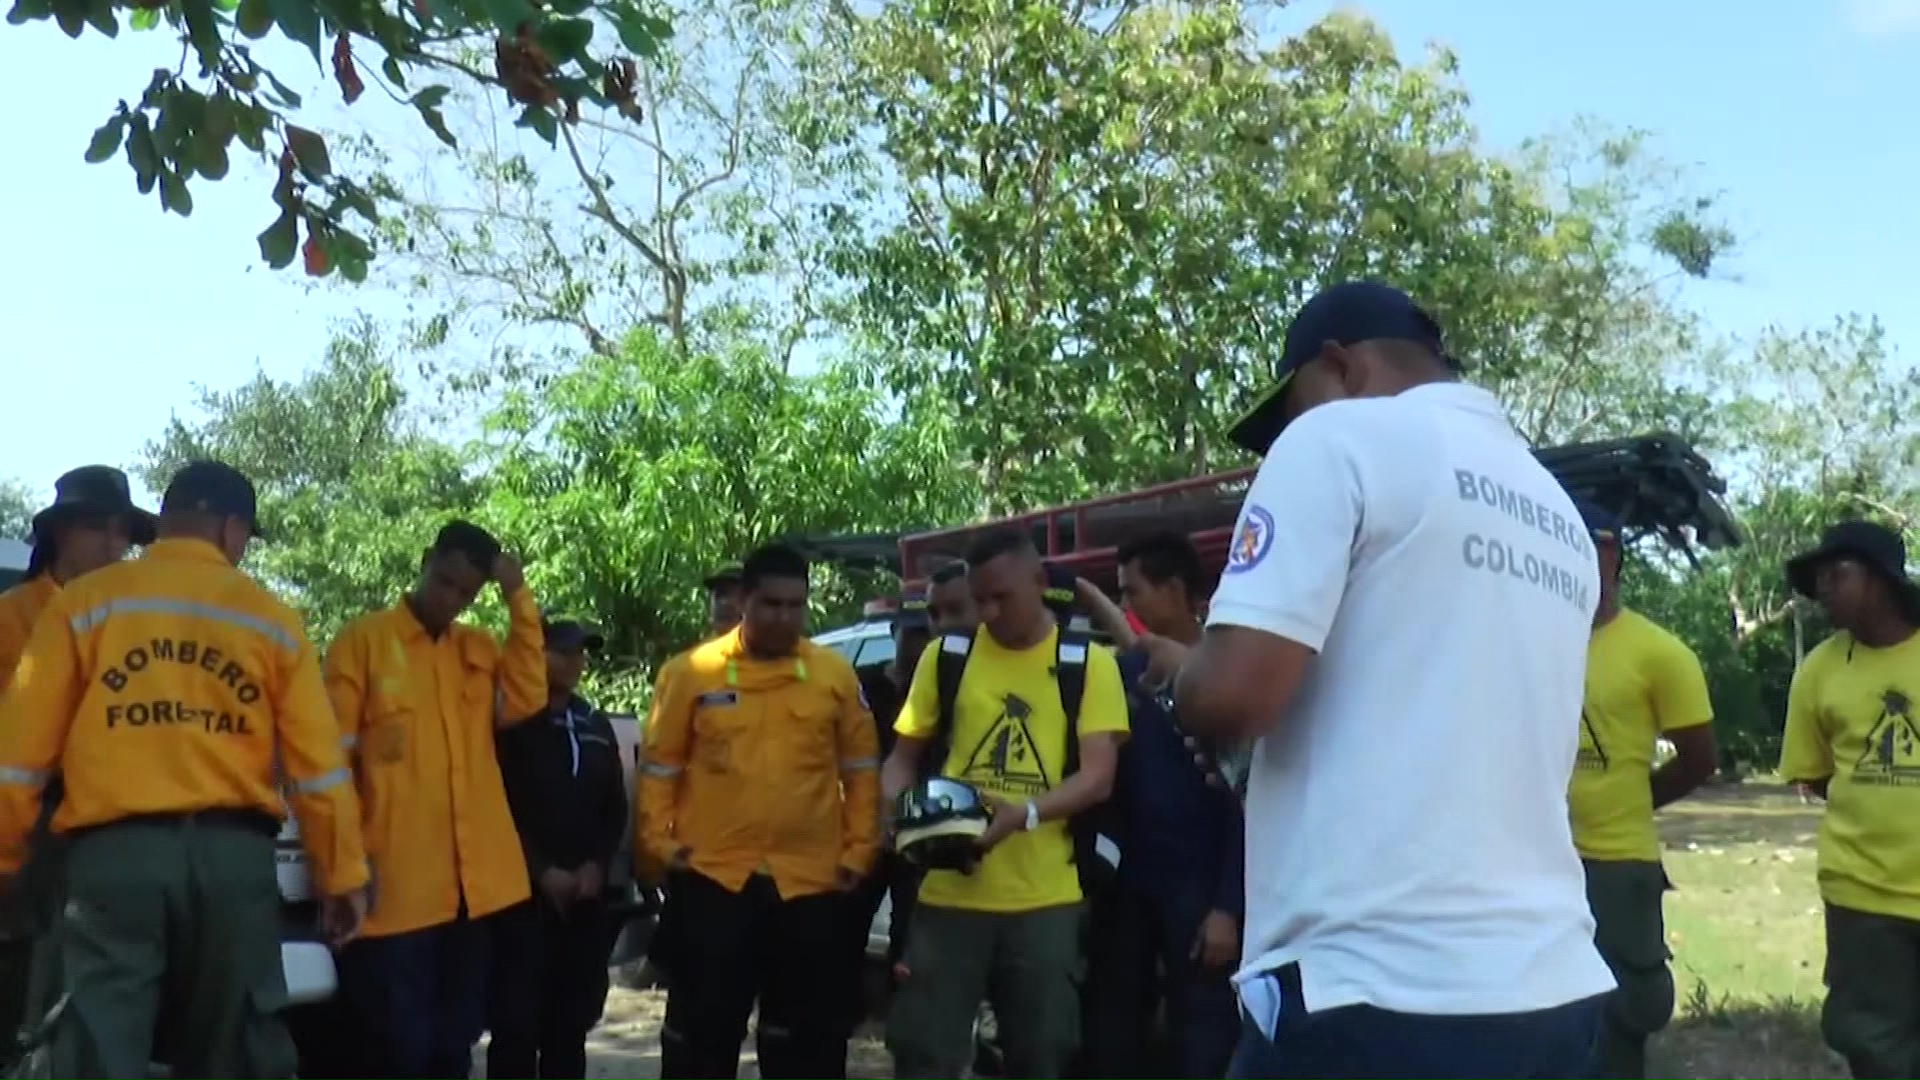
(1070, 675)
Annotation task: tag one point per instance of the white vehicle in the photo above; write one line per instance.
(13, 561)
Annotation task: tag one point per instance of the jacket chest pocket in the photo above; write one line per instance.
(722, 726)
(390, 714)
(809, 732)
(478, 694)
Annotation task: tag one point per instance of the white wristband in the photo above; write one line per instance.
(1033, 816)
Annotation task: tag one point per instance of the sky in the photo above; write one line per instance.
(1798, 112)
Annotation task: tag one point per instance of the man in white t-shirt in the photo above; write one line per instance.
(1402, 627)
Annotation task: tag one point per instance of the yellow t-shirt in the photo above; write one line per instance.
(1009, 740)
(1851, 719)
(1641, 681)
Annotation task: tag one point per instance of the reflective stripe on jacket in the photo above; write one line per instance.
(420, 714)
(172, 684)
(761, 765)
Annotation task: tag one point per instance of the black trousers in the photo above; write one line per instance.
(552, 992)
(1139, 957)
(893, 878)
(752, 946)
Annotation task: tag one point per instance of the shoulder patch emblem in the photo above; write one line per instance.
(1251, 540)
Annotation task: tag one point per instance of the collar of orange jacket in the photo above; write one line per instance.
(728, 653)
(38, 590)
(184, 549)
(408, 622)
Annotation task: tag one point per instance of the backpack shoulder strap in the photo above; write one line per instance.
(1070, 673)
(950, 665)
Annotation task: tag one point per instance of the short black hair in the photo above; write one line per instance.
(773, 561)
(997, 542)
(468, 540)
(1166, 556)
(948, 573)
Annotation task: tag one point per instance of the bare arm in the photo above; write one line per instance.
(1089, 786)
(1237, 683)
(1105, 614)
(1694, 761)
(901, 770)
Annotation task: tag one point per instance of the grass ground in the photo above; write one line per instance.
(1743, 922)
(1744, 925)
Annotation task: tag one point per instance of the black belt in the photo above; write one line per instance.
(222, 817)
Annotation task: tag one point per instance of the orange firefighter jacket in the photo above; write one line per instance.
(760, 765)
(419, 712)
(19, 607)
(168, 685)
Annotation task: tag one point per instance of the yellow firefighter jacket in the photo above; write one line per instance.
(170, 685)
(420, 714)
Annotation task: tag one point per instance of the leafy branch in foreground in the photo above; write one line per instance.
(184, 124)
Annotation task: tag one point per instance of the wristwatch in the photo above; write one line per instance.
(1033, 816)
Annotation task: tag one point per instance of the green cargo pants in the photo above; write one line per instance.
(1630, 932)
(1029, 964)
(1872, 1013)
(172, 926)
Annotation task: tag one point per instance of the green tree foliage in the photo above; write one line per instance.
(903, 264)
(352, 487)
(694, 221)
(17, 507)
(1812, 428)
(184, 124)
(1106, 215)
(630, 477)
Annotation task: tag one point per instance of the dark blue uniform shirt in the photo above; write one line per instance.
(1179, 835)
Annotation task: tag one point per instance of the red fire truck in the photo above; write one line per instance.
(1657, 484)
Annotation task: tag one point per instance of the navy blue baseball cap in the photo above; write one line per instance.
(566, 634)
(1601, 523)
(725, 576)
(213, 487)
(1345, 314)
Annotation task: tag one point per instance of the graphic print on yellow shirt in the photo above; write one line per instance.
(1641, 682)
(1852, 719)
(1009, 740)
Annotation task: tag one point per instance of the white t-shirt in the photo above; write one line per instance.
(1407, 835)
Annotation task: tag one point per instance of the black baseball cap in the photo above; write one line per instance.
(93, 490)
(1346, 314)
(213, 487)
(566, 633)
(1601, 523)
(725, 576)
